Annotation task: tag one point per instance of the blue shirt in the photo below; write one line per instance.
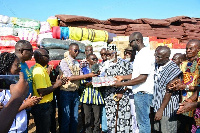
(90, 95)
(28, 77)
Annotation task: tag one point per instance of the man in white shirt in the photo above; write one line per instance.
(141, 80)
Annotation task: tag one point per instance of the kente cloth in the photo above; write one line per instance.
(162, 76)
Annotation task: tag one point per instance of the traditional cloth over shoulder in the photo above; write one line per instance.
(75, 70)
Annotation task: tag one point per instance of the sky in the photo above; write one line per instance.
(100, 9)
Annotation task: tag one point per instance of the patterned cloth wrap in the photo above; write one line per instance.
(190, 77)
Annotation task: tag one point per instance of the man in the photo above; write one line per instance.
(103, 115)
(24, 51)
(191, 80)
(88, 50)
(69, 98)
(116, 66)
(42, 87)
(129, 54)
(165, 101)
(142, 81)
(103, 55)
(178, 58)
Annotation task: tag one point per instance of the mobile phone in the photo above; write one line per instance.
(7, 80)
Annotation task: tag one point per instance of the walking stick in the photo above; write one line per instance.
(117, 100)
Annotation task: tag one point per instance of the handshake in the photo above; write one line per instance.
(178, 84)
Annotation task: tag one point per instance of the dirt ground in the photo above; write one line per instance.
(32, 128)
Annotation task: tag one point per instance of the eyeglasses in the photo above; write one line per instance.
(109, 54)
(30, 49)
(89, 50)
(103, 54)
(133, 40)
(127, 52)
(94, 59)
(76, 50)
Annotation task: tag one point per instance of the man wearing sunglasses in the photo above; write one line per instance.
(69, 98)
(24, 51)
(116, 66)
(141, 80)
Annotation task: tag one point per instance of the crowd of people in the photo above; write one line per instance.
(151, 94)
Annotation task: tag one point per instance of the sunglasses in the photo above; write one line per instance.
(89, 50)
(103, 54)
(126, 52)
(109, 54)
(94, 59)
(31, 50)
(76, 50)
(133, 41)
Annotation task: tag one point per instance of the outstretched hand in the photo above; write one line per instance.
(117, 83)
(31, 101)
(119, 78)
(58, 82)
(92, 74)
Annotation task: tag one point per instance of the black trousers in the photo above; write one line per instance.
(42, 114)
(88, 110)
(185, 123)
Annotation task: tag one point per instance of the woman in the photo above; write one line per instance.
(10, 65)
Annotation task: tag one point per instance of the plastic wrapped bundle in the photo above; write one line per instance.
(53, 21)
(64, 33)
(100, 35)
(56, 32)
(44, 27)
(27, 23)
(51, 43)
(6, 25)
(30, 36)
(4, 31)
(42, 36)
(8, 40)
(103, 81)
(110, 37)
(58, 54)
(4, 19)
(92, 35)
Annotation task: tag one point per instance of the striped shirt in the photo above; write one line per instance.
(162, 76)
(90, 95)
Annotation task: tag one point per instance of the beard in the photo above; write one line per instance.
(111, 59)
(128, 59)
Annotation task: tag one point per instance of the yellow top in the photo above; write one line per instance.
(41, 79)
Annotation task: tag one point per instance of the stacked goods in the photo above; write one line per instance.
(174, 32)
(45, 31)
(58, 47)
(121, 42)
(97, 46)
(6, 27)
(191, 31)
(172, 43)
